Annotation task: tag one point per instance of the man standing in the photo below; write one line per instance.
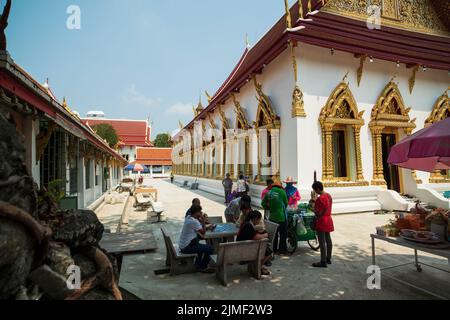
(324, 224)
(227, 184)
(189, 242)
(269, 183)
(276, 202)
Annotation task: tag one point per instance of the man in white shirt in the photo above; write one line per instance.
(189, 242)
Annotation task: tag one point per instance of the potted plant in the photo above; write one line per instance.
(438, 222)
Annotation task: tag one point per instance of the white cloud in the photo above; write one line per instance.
(181, 109)
(135, 98)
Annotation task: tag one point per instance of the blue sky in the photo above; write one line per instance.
(136, 58)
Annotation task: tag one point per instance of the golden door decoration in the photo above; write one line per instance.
(267, 119)
(441, 111)
(340, 110)
(388, 112)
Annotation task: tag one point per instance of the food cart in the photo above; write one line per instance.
(300, 228)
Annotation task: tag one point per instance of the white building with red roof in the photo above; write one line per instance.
(158, 160)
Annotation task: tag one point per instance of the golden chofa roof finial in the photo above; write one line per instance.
(208, 97)
(199, 108)
(247, 41)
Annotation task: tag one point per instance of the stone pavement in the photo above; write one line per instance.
(292, 277)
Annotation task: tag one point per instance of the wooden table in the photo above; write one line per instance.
(441, 251)
(130, 243)
(151, 191)
(227, 235)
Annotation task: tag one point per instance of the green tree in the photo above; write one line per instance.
(107, 132)
(163, 140)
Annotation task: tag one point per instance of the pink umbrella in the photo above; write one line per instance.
(426, 150)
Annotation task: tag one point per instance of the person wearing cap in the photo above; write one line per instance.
(276, 201)
(292, 193)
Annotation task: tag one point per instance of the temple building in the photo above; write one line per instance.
(132, 133)
(158, 160)
(62, 152)
(330, 88)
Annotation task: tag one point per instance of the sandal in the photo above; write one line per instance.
(265, 272)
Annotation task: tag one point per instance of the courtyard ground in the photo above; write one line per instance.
(292, 277)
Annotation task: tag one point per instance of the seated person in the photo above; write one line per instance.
(233, 211)
(246, 208)
(195, 202)
(248, 232)
(189, 243)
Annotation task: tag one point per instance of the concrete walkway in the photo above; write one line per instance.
(292, 277)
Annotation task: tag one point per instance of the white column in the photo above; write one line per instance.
(275, 163)
(81, 182)
(151, 171)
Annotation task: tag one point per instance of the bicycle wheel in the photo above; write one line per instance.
(314, 244)
(291, 241)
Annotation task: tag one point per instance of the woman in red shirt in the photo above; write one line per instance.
(324, 225)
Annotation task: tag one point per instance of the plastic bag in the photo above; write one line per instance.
(301, 229)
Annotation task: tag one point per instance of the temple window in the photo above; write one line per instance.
(389, 122)
(341, 150)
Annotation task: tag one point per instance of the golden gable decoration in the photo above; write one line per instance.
(225, 123)
(413, 15)
(240, 115)
(441, 110)
(265, 108)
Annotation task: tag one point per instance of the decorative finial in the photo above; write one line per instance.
(208, 96)
(393, 77)
(180, 124)
(345, 77)
(4, 24)
(247, 42)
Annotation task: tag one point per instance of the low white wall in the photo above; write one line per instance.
(345, 200)
(432, 197)
(391, 200)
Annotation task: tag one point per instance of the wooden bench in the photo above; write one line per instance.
(157, 209)
(271, 228)
(142, 203)
(243, 251)
(178, 262)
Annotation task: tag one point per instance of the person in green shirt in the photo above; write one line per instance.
(276, 202)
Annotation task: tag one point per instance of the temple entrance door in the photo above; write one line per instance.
(391, 173)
